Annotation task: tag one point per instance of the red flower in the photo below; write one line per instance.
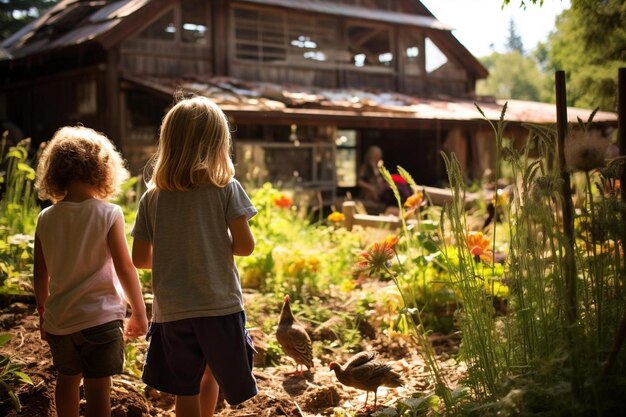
(282, 201)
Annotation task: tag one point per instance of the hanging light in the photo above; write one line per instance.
(293, 136)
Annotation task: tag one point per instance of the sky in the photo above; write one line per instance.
(483, 26)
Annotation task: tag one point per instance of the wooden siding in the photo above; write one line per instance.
(289, 47)
(43, 105)
(153, 57)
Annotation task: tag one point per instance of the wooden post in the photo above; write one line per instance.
(621, 135)
(569, 266)
(348, 208)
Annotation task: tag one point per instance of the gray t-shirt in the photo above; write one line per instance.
(193, 269)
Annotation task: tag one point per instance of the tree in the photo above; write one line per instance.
(514, 41)
(590, 46)
(513, 76)
(16, 13)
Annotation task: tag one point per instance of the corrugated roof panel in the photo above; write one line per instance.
(327, 7)
(30, 48)
(259, 96)
(118, 9)
(82, 34)
(18, 36)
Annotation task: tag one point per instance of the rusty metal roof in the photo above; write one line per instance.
(72, 22)
(334, 8)
(235, 95)
(68, 23)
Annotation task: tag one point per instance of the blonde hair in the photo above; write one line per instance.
(78, 153)
(194, 147)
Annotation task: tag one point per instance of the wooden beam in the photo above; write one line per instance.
(219, 36)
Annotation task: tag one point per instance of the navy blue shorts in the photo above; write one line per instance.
(180, 350)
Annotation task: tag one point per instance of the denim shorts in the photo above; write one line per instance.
(96, 352)
(180, 350)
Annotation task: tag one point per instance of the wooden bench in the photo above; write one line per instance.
(436, 196)
(352, 218)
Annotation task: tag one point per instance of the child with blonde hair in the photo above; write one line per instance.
(83, 272)
(191, 222)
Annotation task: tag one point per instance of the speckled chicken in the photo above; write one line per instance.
(294, 339)
(363, 372)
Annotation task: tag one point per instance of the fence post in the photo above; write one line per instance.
(569, 267)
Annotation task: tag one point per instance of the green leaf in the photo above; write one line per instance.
(23, 377)
(4, 338)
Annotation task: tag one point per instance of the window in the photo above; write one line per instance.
(413, 48)
(435, 59)
(186, 22)
(194, 21)
(87, 97)
(345, 158)
(370, 45)
(164, 29)
(259, 35)
(312, 38)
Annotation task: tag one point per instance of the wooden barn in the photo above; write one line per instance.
(308, 85)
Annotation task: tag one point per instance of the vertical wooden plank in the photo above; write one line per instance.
(220, 16)
(112, 98)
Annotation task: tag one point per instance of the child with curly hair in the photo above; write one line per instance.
(83, 272)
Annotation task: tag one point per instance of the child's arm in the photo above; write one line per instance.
(243, 241)
(41, 280)
(142, 254)
(138, 323)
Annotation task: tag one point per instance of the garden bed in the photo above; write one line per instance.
(316, 393)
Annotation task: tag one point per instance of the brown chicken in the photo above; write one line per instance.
(294, 339)
(363, 372)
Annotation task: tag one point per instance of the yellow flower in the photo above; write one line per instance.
(415, 201)
(478, 246)
(336, 217)
(501, 198)
(313, 264)
(282, 201)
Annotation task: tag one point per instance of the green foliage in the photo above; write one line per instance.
(16, 13)
(11, 377)
(19, 213)
(588, 44)
(513, 76)
(294, 256)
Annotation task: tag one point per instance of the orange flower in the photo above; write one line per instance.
(479, 246)
(282, 201)
(392, 241)
(415, 201)
(377, 256)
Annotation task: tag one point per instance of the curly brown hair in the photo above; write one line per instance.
(78, 153)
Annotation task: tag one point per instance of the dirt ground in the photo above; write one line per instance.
(317, 393)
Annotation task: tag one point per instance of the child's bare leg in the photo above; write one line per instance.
(187, 406)
(98, 397)
(208, 393)
(67, 395)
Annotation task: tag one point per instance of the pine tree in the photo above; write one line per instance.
(514, 40)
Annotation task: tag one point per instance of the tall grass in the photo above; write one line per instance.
(532, 359)
(18, 205)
